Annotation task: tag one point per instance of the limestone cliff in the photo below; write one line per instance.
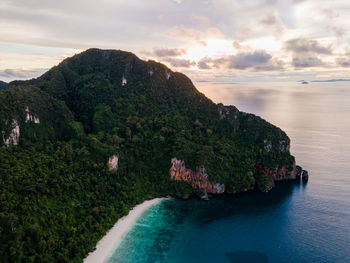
(284, 172)
(272, 140)
(278, 174)
(30, 116)
(13, 136)
(197, 179)
(113, 163)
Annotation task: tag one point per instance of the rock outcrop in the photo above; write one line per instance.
(167, 75)
(13, 137)
(305, 175)
(124, 81)
(12, 133)
(298, 171)
(113, 163)
(278, 174)
(285, 172)
(284, 146)
(230, 113)
(31, 117)
(197, 179)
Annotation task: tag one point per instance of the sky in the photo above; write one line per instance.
(209, 40)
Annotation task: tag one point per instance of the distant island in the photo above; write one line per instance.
(330, 80)
(102, 132)
(326, 80)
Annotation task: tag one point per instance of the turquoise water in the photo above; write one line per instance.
(294, 222)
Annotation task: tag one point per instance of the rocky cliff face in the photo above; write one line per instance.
(197, 179)
(113, 163)
(278, 143)
(271, 140)
(285, 172)
(31, 117)
(278, 174)
(13, 137)
(231, 114)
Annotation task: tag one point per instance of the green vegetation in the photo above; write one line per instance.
(264, 182)
(3, 85)
(58, 197)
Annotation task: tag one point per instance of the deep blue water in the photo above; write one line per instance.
(294, 222)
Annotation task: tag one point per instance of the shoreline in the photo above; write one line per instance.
(106, 246)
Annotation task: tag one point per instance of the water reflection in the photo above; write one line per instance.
(304, 184)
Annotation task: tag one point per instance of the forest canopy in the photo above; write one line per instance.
(58, 197)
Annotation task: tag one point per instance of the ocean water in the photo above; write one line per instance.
(295, 222)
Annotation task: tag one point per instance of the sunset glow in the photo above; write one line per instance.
(256, 40)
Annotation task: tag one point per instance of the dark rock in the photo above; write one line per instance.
(305, 175)
(204, 195)
(298, 171)
(270, 185)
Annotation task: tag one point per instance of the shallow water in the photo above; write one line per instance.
(294, 222)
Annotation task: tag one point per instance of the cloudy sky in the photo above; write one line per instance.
(222, 40)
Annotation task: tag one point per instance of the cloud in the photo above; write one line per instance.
(183, 32)
(258, 60)
(180, 63)
(169, 52)
(169, 55)
(203, 65)
(244, 31)
(272, 65)
(20, 74)
(209, 63)
(269, 20)
(202, 20)
(307, 62)
(65, 27)
(338, 32)
(331, 14)
(236, 44)
(343, 62)
(248, 60)
(302, 45)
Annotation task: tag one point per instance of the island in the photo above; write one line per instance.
(103, 131)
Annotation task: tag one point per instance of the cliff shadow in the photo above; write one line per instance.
(247, 257)
(249, 203)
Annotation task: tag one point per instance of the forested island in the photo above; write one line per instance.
(103, 131)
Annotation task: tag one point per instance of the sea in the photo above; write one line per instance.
(295, 222)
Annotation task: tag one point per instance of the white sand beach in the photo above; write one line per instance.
(114, 236)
